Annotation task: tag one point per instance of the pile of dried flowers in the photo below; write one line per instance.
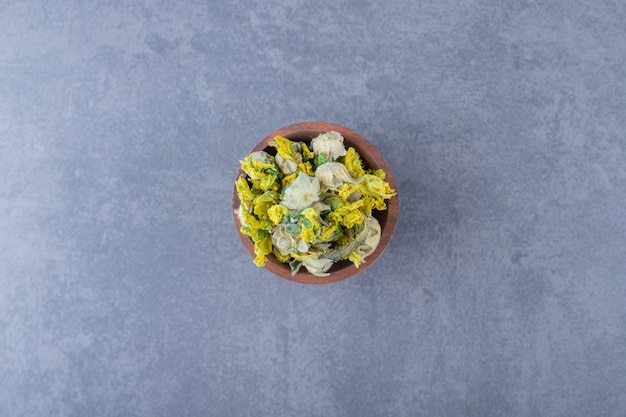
(311, 207)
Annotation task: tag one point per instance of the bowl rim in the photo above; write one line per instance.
(305, 131)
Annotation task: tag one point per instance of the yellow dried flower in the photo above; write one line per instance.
(353, 163)
(264, 175)
(262, 249)
(277, 212)
(262, 203)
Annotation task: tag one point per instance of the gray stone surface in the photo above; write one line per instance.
(124, 290)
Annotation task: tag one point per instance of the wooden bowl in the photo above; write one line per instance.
(304, 132)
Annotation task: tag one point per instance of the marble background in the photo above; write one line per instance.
(124, 290)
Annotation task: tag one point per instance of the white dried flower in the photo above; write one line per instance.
(286, 166)
(320, 207)
(302, 192)
(262, 156)
(318, 267)
(373, 237)
(330, 144)
(285, 243)
(333, 175)
(239, 214)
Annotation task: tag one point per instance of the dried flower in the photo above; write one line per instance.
(302, 192)
(287, 166)
(318, 266)
(333, 175)
(287, 243)
(262, 156)
(330, 144)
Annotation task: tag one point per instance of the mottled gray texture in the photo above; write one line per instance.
(124, 290)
